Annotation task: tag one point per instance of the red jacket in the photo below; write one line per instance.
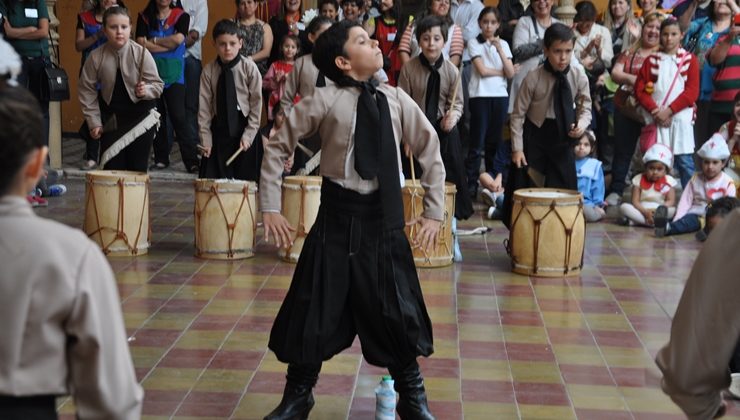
(649, 73)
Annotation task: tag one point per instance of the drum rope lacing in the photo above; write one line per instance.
(441, 239)
(537, 224)
(230, 226)
(118, 231)
(301, 228)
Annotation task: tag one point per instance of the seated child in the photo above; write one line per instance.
(716, 211)
(709, 184)
(590, 178)
(229, 108)
(731, 132)
(493, 181)
(651, 189)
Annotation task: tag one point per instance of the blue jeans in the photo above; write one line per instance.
(193, 68)
(487, 117)
(685, 165)
(687, 224)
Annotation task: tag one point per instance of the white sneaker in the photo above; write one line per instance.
(613, 199)
(491, 210)
(735, 385)
(488, 197)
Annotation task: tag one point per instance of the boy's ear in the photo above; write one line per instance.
(34, 167)
(343, 63)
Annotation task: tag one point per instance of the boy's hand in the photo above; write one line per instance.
(426, 236)
(96, 132)
(518, 159)
(140, 89)
(204, 151)
(245, 144)
(575, 132)
(447, 123)
(407, 150)
(277, 226)
(288, 165)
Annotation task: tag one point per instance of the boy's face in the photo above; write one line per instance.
(670, 37)
(711, 167)
(117, 30)
(328, 10)
(559, 54)
(363, 57)
(431, 43)
(654, 171)
(227, 46)
(351, 11)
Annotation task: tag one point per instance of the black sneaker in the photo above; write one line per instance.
(701, 235)
(623, 221)
(661, 221)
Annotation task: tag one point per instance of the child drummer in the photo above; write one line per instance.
(230, 107)
(551, 112)
(356, 273)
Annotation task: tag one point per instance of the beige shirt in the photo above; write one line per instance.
(331, 112)
(248, 82)
(413, 80)
(300, 81)
(101, 68)
(706, 326)
(63, 331)
(534, 101)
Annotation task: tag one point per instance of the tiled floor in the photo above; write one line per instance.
(507, 346)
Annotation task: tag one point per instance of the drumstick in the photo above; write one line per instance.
(454, 92)
(413, 172)
(231, 159)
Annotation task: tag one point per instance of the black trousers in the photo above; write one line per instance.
(552, 157)
(135, 157)
(40, 407)
(172, 104)
(353, 278)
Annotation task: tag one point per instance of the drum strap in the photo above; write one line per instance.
(134, 133)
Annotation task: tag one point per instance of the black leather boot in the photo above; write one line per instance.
(297, 399)
(412, 402)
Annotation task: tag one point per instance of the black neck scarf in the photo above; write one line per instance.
(226, 105)
(431, 107)
(562, 101)
(320, 80)
(376, 149)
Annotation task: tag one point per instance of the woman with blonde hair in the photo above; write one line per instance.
(620, 20)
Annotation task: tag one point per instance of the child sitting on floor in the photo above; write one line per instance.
(651, 189)
(709, 184)
(590, 178)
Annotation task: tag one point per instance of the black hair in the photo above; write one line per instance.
(150, 12)
(490, 9)
(334, 3)
(658, 4)
(585, 12)
(558, 32)
(395, 11)
(317, 23)
(293, 38)
(225, 26)
(722, 206)
(737, 97)
(429, 22)
(329, 46)
(358, 3)
(670, 21)
(22, 133)
(115, 11)
(99, 4)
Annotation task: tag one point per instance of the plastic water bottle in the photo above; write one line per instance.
(385, 400)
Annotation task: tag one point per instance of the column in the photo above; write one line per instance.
(55, 108)
(566, 12)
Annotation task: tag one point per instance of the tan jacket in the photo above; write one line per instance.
(63, 331)
(101, 67)
(534, 101)
(706, 326)
(301, 80)
(331, 111)
(248, 83)
(413, 80)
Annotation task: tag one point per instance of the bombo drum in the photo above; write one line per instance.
(441, 253)
(117, 211)
(301, 199)
(547, 232)
(225, 221)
